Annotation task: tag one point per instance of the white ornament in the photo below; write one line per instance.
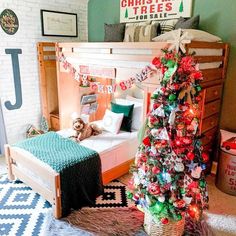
(196, 173)
(179, 167)
(159, 111)
(187, 200)
(163, 135)
(153, 150)
(166, 177)
(155, 132)
(161, 199)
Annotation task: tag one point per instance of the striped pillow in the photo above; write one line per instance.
(166, 25)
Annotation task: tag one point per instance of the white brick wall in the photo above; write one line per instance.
(29, 33)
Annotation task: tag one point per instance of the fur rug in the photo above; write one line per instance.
(92, 221)
(111, 222)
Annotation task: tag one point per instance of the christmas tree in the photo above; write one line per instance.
(168, 175)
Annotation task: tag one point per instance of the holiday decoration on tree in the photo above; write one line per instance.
(168, 175)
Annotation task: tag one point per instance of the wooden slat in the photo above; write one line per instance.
(208, 45)
(206, 59)
(118, 57)
(48, 53)
(36, 186)
(125, 45)
(33, 165)
(46, 44)
(50, 63)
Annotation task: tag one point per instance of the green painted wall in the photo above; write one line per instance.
(100, 12)
(217, 17)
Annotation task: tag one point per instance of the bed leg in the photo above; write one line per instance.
(57, 211)
(9, 163)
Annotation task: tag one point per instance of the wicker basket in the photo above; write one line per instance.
(155, 228)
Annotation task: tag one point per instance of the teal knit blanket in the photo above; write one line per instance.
(79, 167)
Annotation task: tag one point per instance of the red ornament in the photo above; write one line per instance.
(175, 86)
(187, 141)
(164, 221)
(198, 98)
(193, 211)
(147, 141)
(205, 157)
(180, 203)
(190, 156)
(136, 197)
(153, 189)
(178, 142)
(155, 170)
(155, 106)
(131, 184)
(156, 62)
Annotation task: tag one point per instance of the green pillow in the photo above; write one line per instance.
(128, 113)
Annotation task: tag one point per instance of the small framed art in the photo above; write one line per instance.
(62, 24)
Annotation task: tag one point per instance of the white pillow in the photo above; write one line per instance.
(192, 34)
(133, 99)
(112, 121)
(137, 111)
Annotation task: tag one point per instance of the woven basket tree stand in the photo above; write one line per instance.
(155, 228)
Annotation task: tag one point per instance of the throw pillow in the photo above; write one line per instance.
(112, 121)
(137, 112)
(114, 32)
(128, 113)
(188, 23)
(192, 34)
(166, 25)
(132, 33)
(147, 32)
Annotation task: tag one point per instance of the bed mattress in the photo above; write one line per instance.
(113, 151)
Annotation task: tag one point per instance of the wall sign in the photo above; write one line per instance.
(9, 21)
(17, 81)
(141, 10)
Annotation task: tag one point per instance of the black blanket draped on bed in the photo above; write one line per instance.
(79, 168)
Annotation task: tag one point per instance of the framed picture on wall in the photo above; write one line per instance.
(62, 24)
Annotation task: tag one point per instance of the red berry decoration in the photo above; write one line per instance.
(164, 221)
(190, 156)
(205, 157)
(147, 142)
(155, 170)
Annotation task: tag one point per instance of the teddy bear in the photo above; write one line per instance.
(83, 130)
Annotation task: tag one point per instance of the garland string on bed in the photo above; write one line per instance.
(84, 80)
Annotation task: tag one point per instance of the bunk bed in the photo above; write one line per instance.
(127, 59)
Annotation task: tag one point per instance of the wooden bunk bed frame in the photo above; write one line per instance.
(212, 77)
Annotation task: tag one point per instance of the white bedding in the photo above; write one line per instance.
(113, 150)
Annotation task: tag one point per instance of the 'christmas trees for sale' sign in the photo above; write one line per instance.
(141, 10)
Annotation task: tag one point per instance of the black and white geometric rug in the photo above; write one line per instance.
(114, 196)
(23, 212)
